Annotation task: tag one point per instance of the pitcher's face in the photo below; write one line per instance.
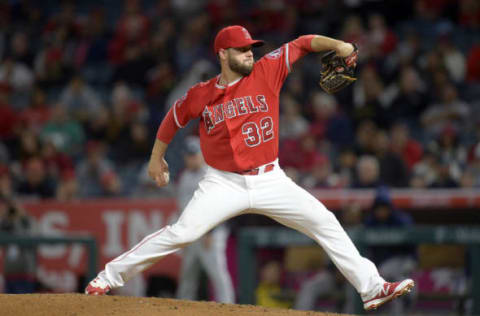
(240, 60)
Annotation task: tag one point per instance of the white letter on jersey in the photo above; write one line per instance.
(218, 112)
(229, 110)
(263, 103)
(250, 104)
(241, 106)
(207, 119)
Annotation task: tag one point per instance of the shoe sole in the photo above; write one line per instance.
(407, 289)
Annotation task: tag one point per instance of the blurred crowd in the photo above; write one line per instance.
(84, 85)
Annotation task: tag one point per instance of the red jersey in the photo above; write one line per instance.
(238, 122)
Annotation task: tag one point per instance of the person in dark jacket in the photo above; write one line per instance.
(395, 262)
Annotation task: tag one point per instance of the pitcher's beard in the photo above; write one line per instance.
(242, 69)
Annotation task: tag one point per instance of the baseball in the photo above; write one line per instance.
(166, 175)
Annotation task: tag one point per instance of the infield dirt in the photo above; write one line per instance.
(79, 305)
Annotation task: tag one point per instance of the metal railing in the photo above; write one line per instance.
(37, 240)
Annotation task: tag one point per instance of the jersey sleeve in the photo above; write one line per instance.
(277, 64)
(182, 111)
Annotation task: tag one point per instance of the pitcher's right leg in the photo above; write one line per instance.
(217, 199)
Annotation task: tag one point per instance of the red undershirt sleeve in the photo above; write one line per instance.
(168, 127)
(299, 48)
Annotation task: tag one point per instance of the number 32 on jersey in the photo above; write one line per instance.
(256, 133)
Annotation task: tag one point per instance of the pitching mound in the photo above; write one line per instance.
(79, 305)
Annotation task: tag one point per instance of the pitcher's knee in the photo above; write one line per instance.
(184, 235)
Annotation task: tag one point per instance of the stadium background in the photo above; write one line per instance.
(84, 85)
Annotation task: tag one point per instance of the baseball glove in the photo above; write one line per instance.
(338, 72)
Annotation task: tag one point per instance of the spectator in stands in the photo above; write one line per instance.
(189, 45)
(80, 100)
(51, 67)
(37, 114)
(36, 184)
(393, 171)
(269, 292)
(367, 97)
(29, 146)
(294, 86)
(353, 31)
(365, 137)
(425, 172)
(96, 127)
(292, 123)
(451, 111)
(124, 109)
(131, 33)
(64, 21)
(56, 162)
(321, 175)
(473, 66)
(66, 133)
(473, 168)
(395, 262)
(444, 177)
(367, 173)
(4, 154)
(96, 175)
(408, 52)
(409, 149)
(94, 47)
(410, 99)
(67, 188)
(20, 49)
(328, 121)
(9, 118)
(347, 160)
(453, 59)
(17, 75)
(435, 75)
(451, 152)
(467, 179)
(469, 14)
(19, 264)
(6, 188)
(128, 49)
(299, 153)
(132, 149)
(382, 40)
(135, 146)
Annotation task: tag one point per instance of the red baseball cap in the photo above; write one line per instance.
(234, 36)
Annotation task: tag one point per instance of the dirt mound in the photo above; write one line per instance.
(79, 305)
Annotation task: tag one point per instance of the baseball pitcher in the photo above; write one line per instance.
(239, 115)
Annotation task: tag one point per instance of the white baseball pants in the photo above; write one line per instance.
(222, 195)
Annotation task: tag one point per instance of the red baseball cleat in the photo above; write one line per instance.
(389, 292)
(97, 287)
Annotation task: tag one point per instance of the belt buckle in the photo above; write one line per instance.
(254, 171)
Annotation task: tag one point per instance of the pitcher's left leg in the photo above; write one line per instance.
(281, 199)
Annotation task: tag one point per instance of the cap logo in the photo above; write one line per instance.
(245, 32)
